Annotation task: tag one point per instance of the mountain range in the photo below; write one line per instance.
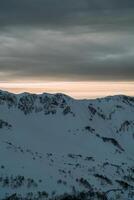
(58, 148)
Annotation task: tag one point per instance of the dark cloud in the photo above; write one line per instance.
(65, 12)
(67, 39)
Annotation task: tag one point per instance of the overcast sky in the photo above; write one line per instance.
(69, 40)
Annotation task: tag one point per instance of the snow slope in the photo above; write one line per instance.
(53, 146)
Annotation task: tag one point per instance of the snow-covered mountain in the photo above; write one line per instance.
(56, 147)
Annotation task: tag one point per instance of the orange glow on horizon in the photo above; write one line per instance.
(77, 90)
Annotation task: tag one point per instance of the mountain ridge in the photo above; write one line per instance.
(59, 93)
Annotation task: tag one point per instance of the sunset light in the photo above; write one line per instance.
(75, 89)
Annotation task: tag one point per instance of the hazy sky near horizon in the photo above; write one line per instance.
(78, 90)
(66, 40)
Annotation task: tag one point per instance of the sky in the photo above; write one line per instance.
(76, 47)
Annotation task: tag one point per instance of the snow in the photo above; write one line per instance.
(48, 144)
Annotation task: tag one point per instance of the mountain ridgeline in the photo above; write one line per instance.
(53, 147)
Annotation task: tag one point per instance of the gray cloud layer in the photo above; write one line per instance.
(67, 39)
